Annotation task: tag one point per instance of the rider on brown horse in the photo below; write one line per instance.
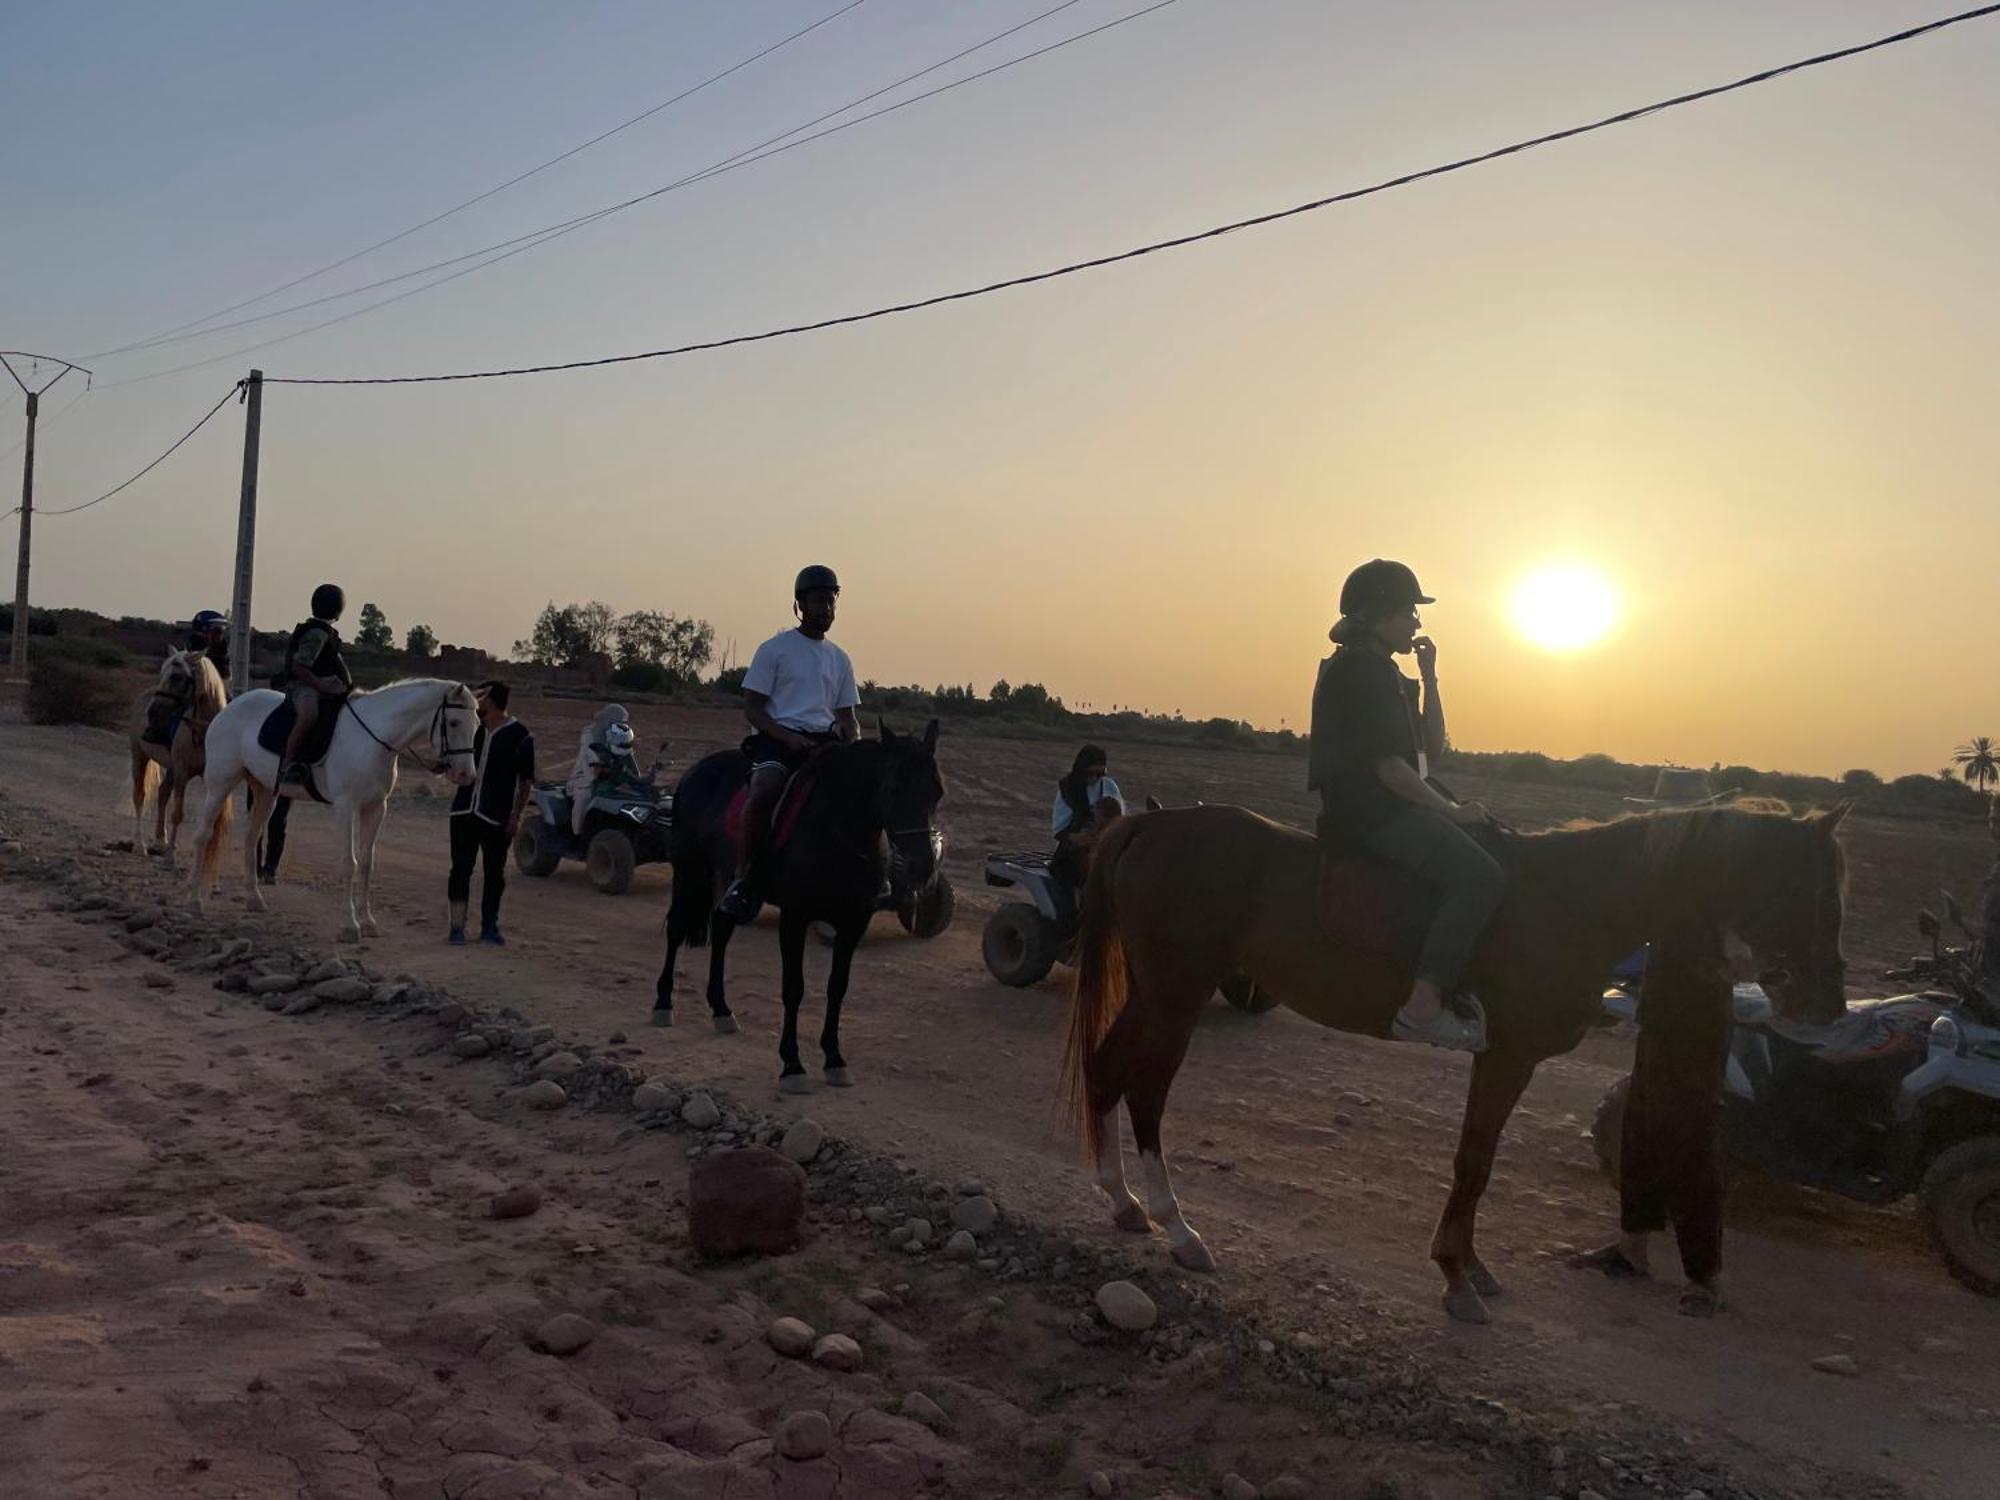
(1371, 748)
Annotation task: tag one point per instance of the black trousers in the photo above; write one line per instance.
(473, 838)
(271, 847)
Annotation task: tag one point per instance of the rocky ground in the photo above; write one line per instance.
(278, 1222)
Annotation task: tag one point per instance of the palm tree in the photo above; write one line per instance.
(1978, 761)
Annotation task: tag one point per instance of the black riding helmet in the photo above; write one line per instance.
(1379, 586)
(328, 602)
(818, 576)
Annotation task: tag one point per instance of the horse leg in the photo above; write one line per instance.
(1157, 1051)
(369, 821)
(140, 778)
(845, 940)
(663, 987)
(263, 799)
(1498, 1078)
(719, 1012)
(349, 819)
(1125, 1210)
(160, 796)
(181, 780)
(792, 930)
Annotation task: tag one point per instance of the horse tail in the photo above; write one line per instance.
(145, 781)
(216, 836)
(1098, 991)
(693, 901)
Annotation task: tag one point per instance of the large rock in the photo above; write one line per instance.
(802, 1141)
(745, 1200)
(649, 1097)
(976, 1214)
(790, 1337)
(805, 1435)
(471, 1044)
(1125, 1306)
(700, 1111)
(272, 984)
(343, 989)
(558, 1065)
(516, 1202)
(545, 1093)
(565, 1334)
(836, 1351)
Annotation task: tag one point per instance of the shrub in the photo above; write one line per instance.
(63, 690)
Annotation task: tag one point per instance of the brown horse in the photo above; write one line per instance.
(1178, 899)
(188, 696)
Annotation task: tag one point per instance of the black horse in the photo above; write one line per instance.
(866, 804)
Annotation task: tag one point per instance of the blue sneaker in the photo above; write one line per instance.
(492, 936)
(456, 937)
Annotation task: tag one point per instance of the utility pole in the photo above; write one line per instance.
(246, 537)
(18, 658)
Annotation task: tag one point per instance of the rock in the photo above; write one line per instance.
(558, 1065)
(749, 1199)
(1099, 1484)
(700, 1112)
(1286, 1487)
(157, 981)
(1125, 1306)
(516, 1202)
(961, 1246)
(876, 1213)
(920, 1232)
(343, 990)
(471, 1044)
(649, 1098)
(565, 1333)
(836, 1351)
(545, 1093)
(272, 984)
(977, 1213)
(302, 1005)
(139, 921)
(330, 968)
(970, 1188)
(1236, 1487)
(1588, 1495)
(804, 1435)
(920, 1408)
(874, 1299)
(790, 1337)
(803, 1140)
(1837, 1364)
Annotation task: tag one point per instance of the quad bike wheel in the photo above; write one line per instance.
(1961, 1201)
(610, 860)
(534, 851)
(1020, 945)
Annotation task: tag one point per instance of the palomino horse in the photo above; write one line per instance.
(190, 683)
(826, 866)
(1177, 899)
(430, 720)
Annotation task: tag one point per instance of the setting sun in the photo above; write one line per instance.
(1565, 607)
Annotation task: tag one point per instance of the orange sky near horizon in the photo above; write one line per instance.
(1739, 358)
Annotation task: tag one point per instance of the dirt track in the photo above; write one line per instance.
(1314, 1163)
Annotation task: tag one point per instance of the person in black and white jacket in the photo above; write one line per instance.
(486, 815)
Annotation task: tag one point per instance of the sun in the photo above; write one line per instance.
(1565, 607)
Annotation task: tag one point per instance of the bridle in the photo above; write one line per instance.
(436, 735)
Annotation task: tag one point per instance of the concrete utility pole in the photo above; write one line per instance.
(246, 538)
(18, 659)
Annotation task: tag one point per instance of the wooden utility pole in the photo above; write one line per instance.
(18, 657)
(246, 537)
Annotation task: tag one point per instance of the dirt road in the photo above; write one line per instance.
(1314, 1163)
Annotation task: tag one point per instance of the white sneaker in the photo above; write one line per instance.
(1447, 1028)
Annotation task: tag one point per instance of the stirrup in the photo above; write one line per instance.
(1460, 1025)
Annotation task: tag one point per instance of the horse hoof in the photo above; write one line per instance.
(1193, 1256)
(839, 1078)
(662, 1016)
(795, 1083)
(1485, 1282)
(1132, 1219)
(726, 1026)
(1465, 1306)
(1698, 1301)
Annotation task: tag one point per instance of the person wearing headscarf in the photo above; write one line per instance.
(1085, 800)
(595, 757)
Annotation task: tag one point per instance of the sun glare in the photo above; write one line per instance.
(1565, 607)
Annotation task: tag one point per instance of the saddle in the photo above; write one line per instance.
(163, 720)
(277, 728)
(1382, 909)
(785, 816)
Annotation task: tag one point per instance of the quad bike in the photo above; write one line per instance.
(1900, 1096)
(626, 826)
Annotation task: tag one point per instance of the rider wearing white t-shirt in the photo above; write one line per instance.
(798, 695)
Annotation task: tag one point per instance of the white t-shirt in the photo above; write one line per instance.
(1096, 792)
(807, 681)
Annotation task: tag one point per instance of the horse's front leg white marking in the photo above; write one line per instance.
(370, 829)
(1125, 1210)
(1186, 1245)
(348, 828)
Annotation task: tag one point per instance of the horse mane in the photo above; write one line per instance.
(444, 682)
(209, 692)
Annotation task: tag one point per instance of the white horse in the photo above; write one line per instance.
(428, 719)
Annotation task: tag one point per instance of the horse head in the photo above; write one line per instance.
(177, 674)
(908, 790)
(1794, 878)
(451, 732)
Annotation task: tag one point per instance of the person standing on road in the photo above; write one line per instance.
(486, 815)
(1370, 754)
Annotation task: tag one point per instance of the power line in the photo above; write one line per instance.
(70, 510)
(763, 150)
(173, 335)
(1254, 222)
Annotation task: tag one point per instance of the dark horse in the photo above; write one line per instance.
(855, 808)
(1178, 899)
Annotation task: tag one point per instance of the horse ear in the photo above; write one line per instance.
(931, 737)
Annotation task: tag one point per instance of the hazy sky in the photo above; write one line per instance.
(1741, 357)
